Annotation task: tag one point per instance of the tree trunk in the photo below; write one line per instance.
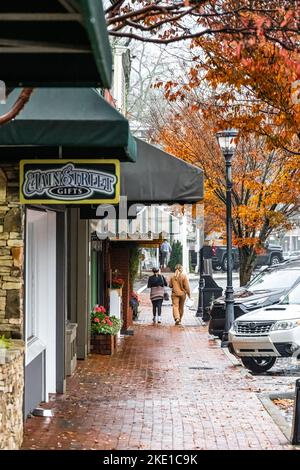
(247, 261)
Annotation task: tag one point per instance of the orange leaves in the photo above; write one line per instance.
(266, 184)
(253, 86)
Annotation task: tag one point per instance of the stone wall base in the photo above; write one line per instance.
(11, 397)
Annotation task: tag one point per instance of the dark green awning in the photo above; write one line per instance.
(67, 122)
(54, 43)
(159, 177)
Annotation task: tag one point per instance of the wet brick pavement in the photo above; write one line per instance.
(166, 387)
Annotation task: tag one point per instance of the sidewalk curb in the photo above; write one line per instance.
(235, 362)
(274, 412)
(141, 289)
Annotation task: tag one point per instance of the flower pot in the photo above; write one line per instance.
(103, 344)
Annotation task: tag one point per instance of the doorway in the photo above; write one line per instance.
(40, 307)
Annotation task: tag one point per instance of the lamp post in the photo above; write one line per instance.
(200, 309)
(227, 142)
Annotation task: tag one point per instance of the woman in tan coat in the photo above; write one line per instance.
(180, 286)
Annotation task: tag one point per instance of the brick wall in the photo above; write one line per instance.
(11, 253)
(119, 259)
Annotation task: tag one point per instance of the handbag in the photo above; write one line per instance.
(189, 303)
(166, 295)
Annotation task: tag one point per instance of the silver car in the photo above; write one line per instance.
(258, 338)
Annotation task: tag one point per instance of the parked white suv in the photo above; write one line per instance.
(258, 338)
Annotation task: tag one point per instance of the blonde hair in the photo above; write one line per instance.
(178, 270)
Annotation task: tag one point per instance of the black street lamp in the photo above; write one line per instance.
(200, 309)
(227, 142)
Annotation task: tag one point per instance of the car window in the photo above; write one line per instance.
(281, 279)
(293, 296)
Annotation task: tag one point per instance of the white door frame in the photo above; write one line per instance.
(40, 291)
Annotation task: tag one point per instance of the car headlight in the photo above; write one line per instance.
(255, 303)
(285, 324)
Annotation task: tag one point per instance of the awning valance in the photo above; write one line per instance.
(54, 43)
(66, 122)
(158, 177)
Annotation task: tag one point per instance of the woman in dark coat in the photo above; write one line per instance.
(157, 284)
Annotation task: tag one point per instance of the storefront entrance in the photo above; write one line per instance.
(40, 307)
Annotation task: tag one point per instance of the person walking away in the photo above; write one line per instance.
(157, 283)
(180, 286)
(165, 252)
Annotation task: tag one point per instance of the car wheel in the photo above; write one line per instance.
(217, 268)
(258, 364)
(275, 260)
(224, 263)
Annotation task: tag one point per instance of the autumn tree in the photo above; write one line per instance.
(266, 184)
(167, 21)
(255, 89)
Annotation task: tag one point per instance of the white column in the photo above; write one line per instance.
(185, 251)
(197, 249)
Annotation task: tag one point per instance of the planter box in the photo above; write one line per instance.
(70, 348)
(103, 344)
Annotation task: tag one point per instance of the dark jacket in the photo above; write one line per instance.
(157, 285)
(157, 281)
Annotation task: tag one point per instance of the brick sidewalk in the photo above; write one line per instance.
(167, 387)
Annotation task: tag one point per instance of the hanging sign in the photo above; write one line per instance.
(69, 181)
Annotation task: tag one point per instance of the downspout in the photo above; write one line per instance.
(22, 99)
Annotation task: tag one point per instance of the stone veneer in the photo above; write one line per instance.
(11, 252)
(11, 396)
(11, 307)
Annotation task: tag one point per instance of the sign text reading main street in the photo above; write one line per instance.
(69, 181)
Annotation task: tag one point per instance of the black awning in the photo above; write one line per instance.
(158, 177)
(54, 43)
(66, 122)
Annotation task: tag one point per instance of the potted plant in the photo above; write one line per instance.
(103, 329)
(117, 282)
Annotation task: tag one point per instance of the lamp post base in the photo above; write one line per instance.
(199, 313)
(224, 342)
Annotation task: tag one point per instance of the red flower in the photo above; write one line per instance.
(96, 320)
(100, 309)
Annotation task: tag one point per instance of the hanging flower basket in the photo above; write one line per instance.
(117, 282)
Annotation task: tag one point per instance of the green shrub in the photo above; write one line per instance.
(176, 255)
(134, 263)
